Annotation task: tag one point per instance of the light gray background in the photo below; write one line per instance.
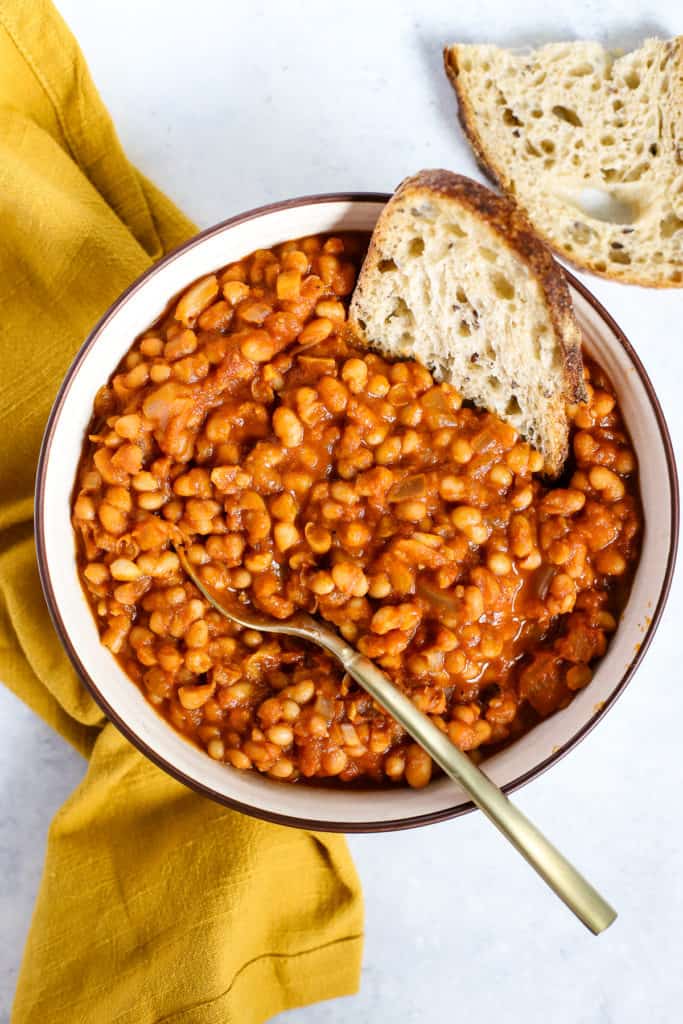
(230, 105)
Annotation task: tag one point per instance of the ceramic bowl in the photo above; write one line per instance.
(308, 805)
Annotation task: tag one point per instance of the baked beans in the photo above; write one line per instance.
(306, 472)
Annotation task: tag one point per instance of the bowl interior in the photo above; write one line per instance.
(307, 804)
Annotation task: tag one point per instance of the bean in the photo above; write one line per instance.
(280, 734)
(258, 346)
(282, 769)
(192, 697)
(418, 767)
(350, 579)
(96, 572)
(288, 426)
(355, 374)
(238, 759)
(316, 331)
(604, 480)
(465, 516)
(124, 569)
(215, 748)
(286, 536)
(334, 762)
(196, 299)
(499, 564)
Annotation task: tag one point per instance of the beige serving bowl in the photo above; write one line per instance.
(308, 805)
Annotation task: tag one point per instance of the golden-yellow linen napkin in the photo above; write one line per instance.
(156, 904)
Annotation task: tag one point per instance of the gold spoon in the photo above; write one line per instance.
(554, 869)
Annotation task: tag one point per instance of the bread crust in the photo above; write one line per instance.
(496, 174)
(465, 116)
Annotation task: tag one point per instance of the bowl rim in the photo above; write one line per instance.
(390, 825)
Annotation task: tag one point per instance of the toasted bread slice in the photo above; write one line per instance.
(591, 146)
(456, 278)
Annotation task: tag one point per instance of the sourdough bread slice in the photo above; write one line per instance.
(590, 145)
(456, 278)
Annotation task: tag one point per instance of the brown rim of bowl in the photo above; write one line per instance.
(282, 819)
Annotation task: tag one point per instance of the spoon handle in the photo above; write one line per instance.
(554, 869)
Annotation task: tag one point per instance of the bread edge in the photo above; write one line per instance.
(496, 175)
(514, 229)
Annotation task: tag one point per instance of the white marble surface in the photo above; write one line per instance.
(231, 105)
